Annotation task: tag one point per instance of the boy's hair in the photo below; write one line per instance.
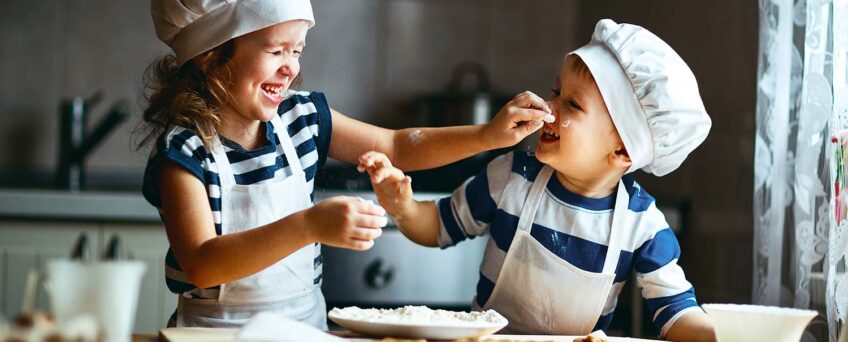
(190, 95)
(582, 69)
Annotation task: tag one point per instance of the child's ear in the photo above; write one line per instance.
(620, 158)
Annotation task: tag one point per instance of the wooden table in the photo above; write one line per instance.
(226, 335)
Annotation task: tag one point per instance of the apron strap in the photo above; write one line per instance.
(619, 214)
(226, 176)
(288, 146)
(225, 171)
(534, 197)
(619, 217)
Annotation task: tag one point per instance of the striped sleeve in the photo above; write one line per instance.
(664, 286)
(321, 125)
(468, 212)
(180, 146)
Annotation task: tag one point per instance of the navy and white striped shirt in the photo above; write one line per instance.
(573, 227)
(307, 118)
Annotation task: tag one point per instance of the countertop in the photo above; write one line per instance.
(83, 205)
(223, 334)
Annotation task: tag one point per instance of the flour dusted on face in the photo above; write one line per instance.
(420, 315)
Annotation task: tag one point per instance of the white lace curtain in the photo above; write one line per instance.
(799, 174)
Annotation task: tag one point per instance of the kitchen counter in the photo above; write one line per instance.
(223, 334)
(82, 206)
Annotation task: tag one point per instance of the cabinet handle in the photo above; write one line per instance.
(113, 249)
(82, 249)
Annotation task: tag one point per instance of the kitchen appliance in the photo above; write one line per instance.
(397, 272)
(468, 99)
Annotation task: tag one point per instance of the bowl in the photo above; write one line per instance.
(740, 322)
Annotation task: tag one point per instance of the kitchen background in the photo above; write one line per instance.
(375, 59)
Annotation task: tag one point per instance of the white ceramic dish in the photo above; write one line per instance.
(737, 322)
(426, 331)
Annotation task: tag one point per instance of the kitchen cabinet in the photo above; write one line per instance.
(148, 243)
(28, 244)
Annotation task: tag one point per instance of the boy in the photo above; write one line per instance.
(566, 225)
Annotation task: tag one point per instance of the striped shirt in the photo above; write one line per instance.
(306, 116)
(573, 227)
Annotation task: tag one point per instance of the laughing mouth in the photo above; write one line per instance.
(273, 90)
(549, 134)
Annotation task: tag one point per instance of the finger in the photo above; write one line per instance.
(369, 208)
(370, 221)
(367, 155)
(360, 245)
(362, 166)
(529, 114)
(391, 174)
(528, 99)
(374, 158)
(405, 187)
(531, 127)
(381, 161)
(365, 234)
(364, 160)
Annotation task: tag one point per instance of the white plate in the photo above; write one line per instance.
(438, 332)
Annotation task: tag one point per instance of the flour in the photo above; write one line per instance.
(420, 315)
(415, 137)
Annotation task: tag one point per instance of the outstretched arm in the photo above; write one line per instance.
(418, 221)
(422, 148)
(207, 258)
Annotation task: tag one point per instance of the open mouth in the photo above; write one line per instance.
(274, 92)
(548, 135)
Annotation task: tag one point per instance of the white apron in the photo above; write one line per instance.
(539, 292)
(285, 287)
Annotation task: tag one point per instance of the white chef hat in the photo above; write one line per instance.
(192, 27)
(650, 92)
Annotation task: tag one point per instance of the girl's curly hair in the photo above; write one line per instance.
(189, 96)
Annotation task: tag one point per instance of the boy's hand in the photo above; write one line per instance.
(393, 188)
(522, 116)
(347, 222)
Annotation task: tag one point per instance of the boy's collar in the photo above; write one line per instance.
(559, 192)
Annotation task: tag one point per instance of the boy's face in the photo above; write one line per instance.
(264, 64)
(583, 142)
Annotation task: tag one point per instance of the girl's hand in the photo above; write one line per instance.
(522, 116)
(393, 188)
(347, 222)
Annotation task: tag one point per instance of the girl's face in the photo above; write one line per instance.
(264, 64)
(583, 139)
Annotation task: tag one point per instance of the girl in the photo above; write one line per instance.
(236, 152)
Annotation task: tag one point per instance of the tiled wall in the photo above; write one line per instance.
(373, 57)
